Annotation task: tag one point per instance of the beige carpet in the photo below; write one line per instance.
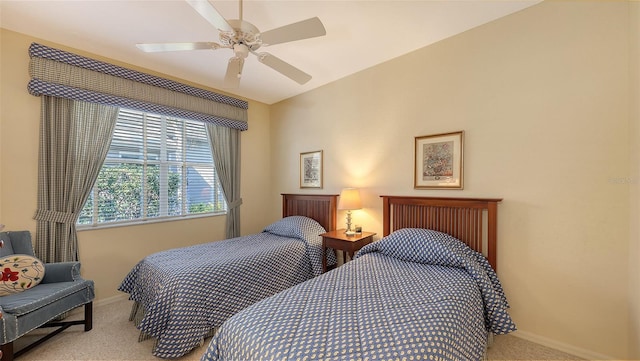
(115, 338)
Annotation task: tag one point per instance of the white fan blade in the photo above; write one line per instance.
(284, 68)
(156, 47)
(304, 29)
(234, 72)
(209, 12)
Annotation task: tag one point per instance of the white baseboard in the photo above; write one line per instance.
(561, 346)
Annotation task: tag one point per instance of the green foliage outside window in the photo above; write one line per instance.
(119, 191)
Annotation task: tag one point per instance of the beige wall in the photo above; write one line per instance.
(634, 244)
(108, 254)
(552, 126)
(543, 98)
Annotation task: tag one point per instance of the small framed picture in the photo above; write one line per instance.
(311, 169)
(439, 161)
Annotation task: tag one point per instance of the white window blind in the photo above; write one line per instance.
(157, 167)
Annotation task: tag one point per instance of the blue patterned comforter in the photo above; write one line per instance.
(186, 292)
(415, 293)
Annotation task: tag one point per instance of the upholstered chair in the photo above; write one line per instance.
(36, 294)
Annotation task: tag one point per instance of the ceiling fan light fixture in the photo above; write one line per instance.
(241, 50)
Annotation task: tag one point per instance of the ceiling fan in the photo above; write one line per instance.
(243, 38)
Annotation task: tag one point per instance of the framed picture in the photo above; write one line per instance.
(439, 161)
(311, 169)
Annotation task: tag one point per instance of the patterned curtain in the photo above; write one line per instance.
(74, 140)
(225, 146)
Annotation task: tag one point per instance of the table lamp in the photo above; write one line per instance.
(349, 200)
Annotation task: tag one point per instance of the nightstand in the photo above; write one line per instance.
(347, 244)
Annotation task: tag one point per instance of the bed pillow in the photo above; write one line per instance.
(422, 246)
(294, 227)
(19, 272)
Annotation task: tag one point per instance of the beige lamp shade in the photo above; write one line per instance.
(350, 199)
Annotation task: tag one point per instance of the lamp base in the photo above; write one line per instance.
(349, 231)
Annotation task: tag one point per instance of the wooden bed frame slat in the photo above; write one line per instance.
(462, 218)
(321, 207)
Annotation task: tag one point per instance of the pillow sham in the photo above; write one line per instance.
(19, 273)
(294, 227)
(426, 246)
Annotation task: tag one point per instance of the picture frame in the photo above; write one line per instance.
(311, 169)
(439, 161)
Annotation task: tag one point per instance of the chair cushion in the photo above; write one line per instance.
(44, 295)
(19, 273)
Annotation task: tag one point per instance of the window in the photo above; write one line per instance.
(157, 167)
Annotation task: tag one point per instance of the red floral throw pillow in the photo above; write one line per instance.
(19, 272)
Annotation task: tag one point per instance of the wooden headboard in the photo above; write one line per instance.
(322, 208)
(462, 218)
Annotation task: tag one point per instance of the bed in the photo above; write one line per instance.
(423, 291)
(182, 295)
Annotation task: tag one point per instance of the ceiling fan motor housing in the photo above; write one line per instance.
(244, 33)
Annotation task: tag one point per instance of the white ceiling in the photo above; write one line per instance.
(360, 34)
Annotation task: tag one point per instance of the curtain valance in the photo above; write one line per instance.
(63, 74)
